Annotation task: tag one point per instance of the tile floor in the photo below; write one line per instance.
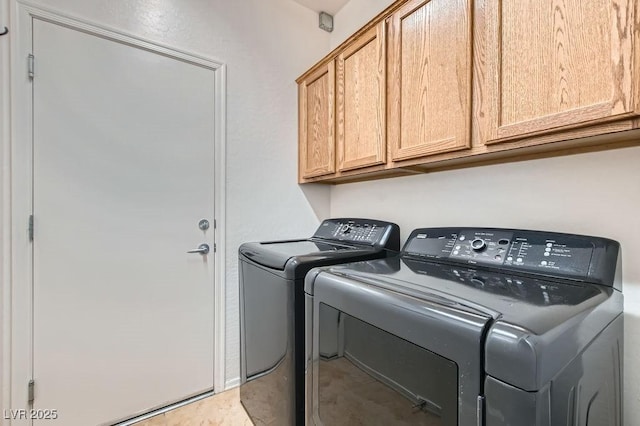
(218, 410)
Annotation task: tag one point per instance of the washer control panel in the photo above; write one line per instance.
(541, 253)
(362, 231)
(482, 246)
(550, 253)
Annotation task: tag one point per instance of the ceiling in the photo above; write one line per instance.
(329, 6)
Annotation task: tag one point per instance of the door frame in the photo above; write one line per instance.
(17, 191)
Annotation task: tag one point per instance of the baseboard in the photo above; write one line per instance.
(232, 383)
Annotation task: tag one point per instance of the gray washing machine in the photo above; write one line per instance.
(469, 326)
(272, 321)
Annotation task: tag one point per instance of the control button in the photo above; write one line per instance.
(509, 258)
(479, 282)
(547, 249)
(543, 263)
(456, 252)
(503, 242)
(546, 253)
(498, 257)
(478, 244)
(457, 247)
(462, 238)
(519, 260)
(549, 244)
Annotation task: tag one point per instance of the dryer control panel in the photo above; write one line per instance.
(534, 252)
(360, 231)
(482, 246)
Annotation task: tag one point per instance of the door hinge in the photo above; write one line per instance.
(215, 224)
(480, 410)
(215, 248)
(31, 392)
(30, 65)
(30, 227)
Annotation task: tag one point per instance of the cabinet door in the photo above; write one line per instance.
(361, 101)
(317, 126)
(557, 64)
(430, 78)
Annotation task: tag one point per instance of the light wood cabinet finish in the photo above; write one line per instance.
(430, 78)
(316, 123)
(360, 104)
(558, 64)
(462, 82)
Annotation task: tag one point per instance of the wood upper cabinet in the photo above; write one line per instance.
(361, 101)
(558, 64)
(316, 123)
(429, 74)
(431, 84)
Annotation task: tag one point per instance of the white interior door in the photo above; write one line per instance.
(123, 170)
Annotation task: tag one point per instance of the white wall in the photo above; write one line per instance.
(594, 194)
(4, 152)
(352, 16)
(266, 46)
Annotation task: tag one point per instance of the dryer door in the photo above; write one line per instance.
(381, 357)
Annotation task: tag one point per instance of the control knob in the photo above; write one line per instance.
(478, 244)
(346, 228)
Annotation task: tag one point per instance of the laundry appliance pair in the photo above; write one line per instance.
(465, 326)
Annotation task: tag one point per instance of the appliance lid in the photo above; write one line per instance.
(276, 254)
(431, 322)
(533, 303)
(338, 239)
(536, 326)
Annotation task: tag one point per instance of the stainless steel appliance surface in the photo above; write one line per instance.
(272, 321)
(469, 326)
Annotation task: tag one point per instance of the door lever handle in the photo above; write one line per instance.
(202, 249)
